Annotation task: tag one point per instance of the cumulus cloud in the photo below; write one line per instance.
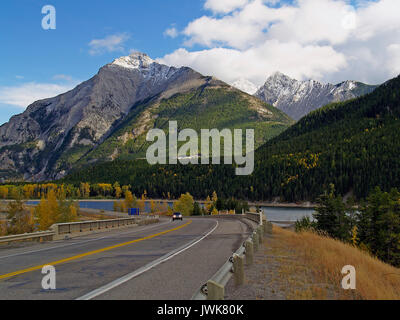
(171, 32)
(256, 63)
(27, 93)
(224, 6)
(328, 40)
(111, 43)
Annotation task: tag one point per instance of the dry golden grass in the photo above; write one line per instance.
(3, 228)
(87, 216)
(325, 258)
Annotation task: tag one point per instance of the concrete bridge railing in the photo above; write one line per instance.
(46, 235)
(75, 229)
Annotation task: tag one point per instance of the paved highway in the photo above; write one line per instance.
(168, 260)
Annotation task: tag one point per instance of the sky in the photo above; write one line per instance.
(325, 40)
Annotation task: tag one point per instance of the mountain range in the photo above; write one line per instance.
(108, 116)
(299, 98)
(353, 145)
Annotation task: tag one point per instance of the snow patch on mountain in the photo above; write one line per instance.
(136, 60)
(245, 86)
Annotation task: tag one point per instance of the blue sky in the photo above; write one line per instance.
(31, 54)
(326, 40)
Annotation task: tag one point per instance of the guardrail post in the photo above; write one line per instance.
(255, 241)
(260, 234)
(238, 268)
(215, 291)
(249, 253)
(265, 227)
(54, 228)
(268, 228)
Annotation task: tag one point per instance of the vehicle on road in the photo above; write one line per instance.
(177, 216)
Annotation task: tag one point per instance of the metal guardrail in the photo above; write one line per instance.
(214, 289)
(63, 230)
(256, 217)
(27, 236)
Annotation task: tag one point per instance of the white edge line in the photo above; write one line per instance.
(151, 265)
(85, 241)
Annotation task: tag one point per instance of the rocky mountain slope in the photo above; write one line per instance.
(120, 103)
(298, 98)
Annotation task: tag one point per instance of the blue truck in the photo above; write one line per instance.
(134, 211)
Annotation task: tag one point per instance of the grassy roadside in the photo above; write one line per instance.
(325, 257)
(307, 266)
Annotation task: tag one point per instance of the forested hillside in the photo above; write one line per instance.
(208, 106)
(354, 145)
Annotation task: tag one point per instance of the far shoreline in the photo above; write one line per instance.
(301, 205)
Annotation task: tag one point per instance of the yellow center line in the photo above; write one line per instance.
(79, 256)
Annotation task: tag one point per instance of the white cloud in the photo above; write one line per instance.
(394, 58)
(63, 77)
(27, 93)
(224, 6)
(329, 40)
(256, 63)
(171, 32)
(110, 43)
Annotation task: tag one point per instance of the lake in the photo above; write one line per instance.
(287, 213)
(272, 213)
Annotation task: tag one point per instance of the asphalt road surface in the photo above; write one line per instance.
(164, 261)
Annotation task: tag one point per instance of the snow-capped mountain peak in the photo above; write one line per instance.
(298, 98)
(135, 60)
(245, 86)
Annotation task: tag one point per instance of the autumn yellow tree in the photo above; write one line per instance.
(47, 211)
(50, 211)
(125, 189)
(214, 197)
(20, 218)
(85, 190)
(117, 206)
(214, 212)
(28, 191)
(15, 193)
(184, 204)
(130, 200)
(105, 188)
(72, 213)
(117, 190)
(3, 192)
(208, 205)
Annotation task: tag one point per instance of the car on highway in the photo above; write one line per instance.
(177, 216)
